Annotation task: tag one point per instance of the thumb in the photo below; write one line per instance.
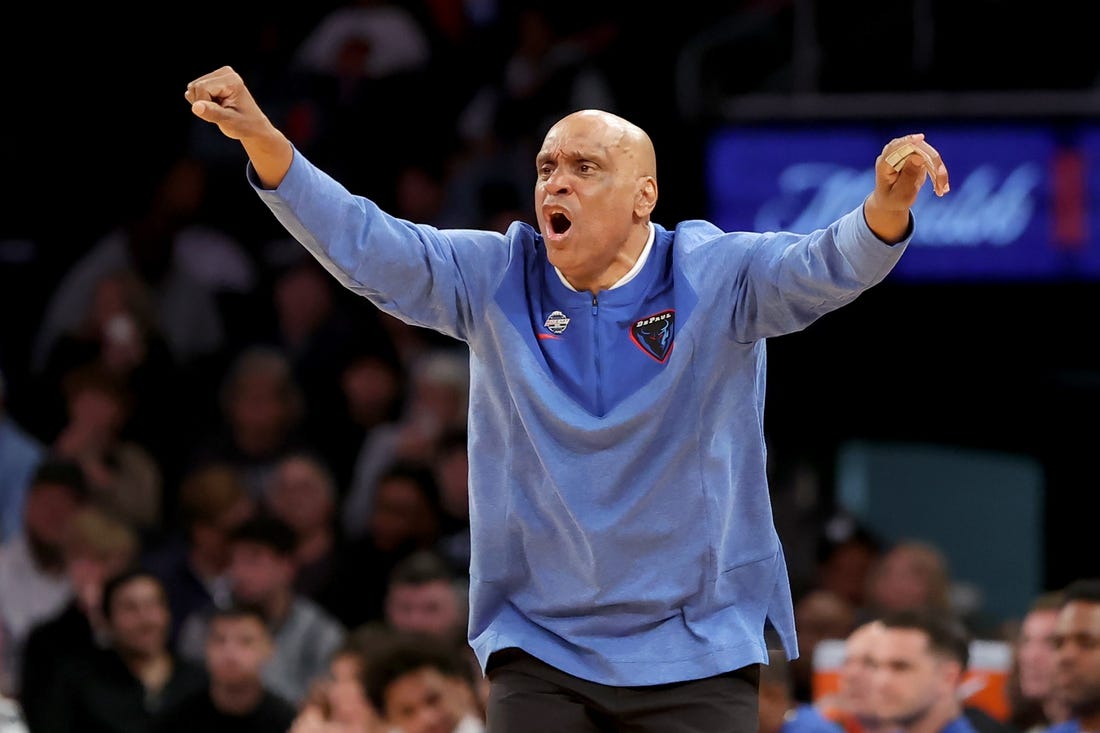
(209, 111)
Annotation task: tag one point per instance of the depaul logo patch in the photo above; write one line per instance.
(653, 334)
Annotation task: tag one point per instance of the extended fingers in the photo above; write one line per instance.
(914, 152)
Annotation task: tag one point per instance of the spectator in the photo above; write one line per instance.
(818, 615)
(120, 336)
(100, 546)
(410, 681)
(121, 689)
(123, 477)
(853, 706)
(261, 407)
(919, 658)
(1034, 706)
(213, 503)
(1077, 655)
(338, 703)
(261, 572)
(33, 561)
(154, 241)
(846, 555)
(303, 495)
(236, 699)
(437, 405)
(911, 575)
(405, 518)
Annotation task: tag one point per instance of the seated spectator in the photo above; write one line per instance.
(236, 700)
(1077, 656)
(261, 571)
(33, 561)
(261, 418)
(425, 596)
(818, 615)
(853, 706)
(846, 555)
(121, 688)
(404, 518)
(194, 568)
(303, 495)
(123, 477)
(436, 406)
(410, 681)
(99, 546)
(911, 575)
(120, 336)
(1034, 706)
(338, 703)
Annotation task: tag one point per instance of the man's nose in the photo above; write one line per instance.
(558, 182)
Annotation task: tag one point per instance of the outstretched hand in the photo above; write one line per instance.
(222, 98)
(887, 208)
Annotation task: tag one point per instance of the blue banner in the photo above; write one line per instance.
(1018, 207)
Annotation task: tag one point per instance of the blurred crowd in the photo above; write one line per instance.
(234, 494)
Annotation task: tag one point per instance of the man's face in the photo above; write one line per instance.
(258, 573)
(139, 618)
(1035, 653)
(430, 607)
(237, 647)
(48, 513)
(418, 702)
(1077, 645)
(908, 678)
(585, 193)
(857, 672)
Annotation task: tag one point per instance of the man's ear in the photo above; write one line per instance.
(646, 197)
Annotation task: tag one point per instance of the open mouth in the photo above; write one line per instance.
(559, 223)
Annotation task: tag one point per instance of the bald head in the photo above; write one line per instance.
(617, 135)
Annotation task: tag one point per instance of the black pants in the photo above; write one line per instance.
(529, 696)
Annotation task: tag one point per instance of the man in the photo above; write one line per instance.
(853, 705)
(238, 646)
(33, 561)
(213, 501)
(1034, 704)
(410, 683)
(1077, 655)
(425, 597)
(123, 687)
(262, 570)
(621, 526)
(99, 546)
(919, 659)
(818, 615)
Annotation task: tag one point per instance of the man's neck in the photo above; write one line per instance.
(935, 719)
(153, 670)
(237, 699)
